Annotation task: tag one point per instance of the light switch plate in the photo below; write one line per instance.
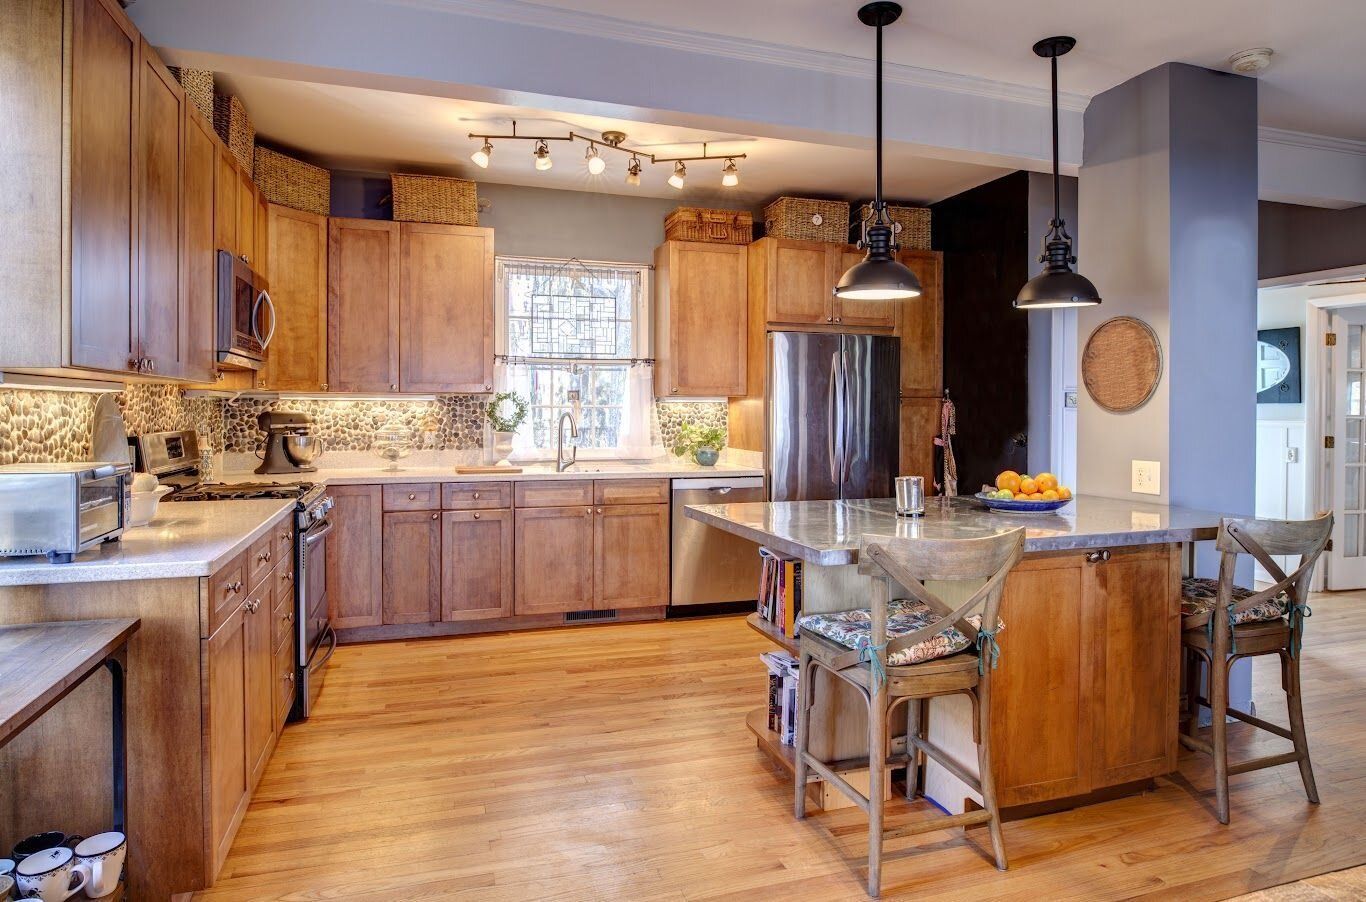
(1146, 477)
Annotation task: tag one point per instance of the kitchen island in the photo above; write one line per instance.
(1084, 703)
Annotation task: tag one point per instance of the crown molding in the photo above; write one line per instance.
(1268, 135)
(520, 12)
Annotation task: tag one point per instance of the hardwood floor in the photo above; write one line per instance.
(613, 763)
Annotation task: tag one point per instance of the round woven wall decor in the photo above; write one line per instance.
(1122, 364)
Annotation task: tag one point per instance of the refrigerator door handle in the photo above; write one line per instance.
(834, 422)
(845, 443)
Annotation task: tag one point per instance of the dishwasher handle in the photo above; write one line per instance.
(713, 483)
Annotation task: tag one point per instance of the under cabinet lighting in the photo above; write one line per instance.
(58, 383)
(342, 396)
(680, 174)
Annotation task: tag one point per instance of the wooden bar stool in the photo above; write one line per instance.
(1223, 622)
(909, 644)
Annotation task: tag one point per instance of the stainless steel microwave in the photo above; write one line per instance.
(61, 510)
(246, 314)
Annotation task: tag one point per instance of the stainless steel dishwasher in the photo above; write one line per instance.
(710, 565)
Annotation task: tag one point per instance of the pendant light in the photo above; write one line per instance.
(879, 276)
(1057, 286)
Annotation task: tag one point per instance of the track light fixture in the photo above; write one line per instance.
(730, 170)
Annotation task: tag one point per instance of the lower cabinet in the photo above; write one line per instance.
(412, 567)
(554, 559)
(476, 564)
(355, 557)
(630, 556)
(225, 656)
(259, 680)
(919, 429)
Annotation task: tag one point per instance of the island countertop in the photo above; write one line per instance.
(827, 532)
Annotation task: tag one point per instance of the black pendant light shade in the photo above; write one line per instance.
(879, 276)
(1057, 285)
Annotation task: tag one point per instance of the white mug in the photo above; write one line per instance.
(102, 856)
(51, 875)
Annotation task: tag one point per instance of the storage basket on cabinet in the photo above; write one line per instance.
(198, 85)
(281, 179)
(716, 226)
(910, 226)
(432, 198)
(233, 125)
(807, 219)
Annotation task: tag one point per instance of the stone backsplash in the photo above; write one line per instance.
(449, 423)
(673, 414)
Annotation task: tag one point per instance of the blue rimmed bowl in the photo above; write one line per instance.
(1021, 507)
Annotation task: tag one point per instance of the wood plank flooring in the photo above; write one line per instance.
(613, 763)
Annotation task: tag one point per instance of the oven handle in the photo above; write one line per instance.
(331, 650)
(317, 533)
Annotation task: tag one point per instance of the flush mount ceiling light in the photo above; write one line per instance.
(482, 155)
(1250, 62)
(879, 276)
(614, 140)
(1057, 286)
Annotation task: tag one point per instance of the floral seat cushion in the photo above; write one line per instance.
(1198, 596)
(853, 629)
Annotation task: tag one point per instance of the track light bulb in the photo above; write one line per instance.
(730, 173)
(633, 172)
(596, 164)
(481, 156)
(542, 154)
(680, 173)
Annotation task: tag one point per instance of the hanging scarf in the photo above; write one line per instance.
(948, 428)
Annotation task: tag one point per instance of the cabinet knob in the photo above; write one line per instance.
(675, 391)
(393, 386)
(412, 496)
(289, 616)
(288, 677)
(1098, 557)
(476, 516)
(264, 556)
(837, 319)
(235, 586)
(599, 510)
(475, 496)
(435, 516)
(244, 258)
(323, 386)
(488, 386)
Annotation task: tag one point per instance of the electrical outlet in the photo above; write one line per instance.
(1146, 477)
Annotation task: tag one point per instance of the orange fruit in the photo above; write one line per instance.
(1050, 495)
(1008, 479)
(1046, 481)
(1037, 496)
(1028, 485)
(1021, 496)
(1064, 493)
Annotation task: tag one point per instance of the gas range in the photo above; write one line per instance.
(247, 491)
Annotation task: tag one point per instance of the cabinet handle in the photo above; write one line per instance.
(435, 516)
(1098, 557)
(264, 556)
(244, 259)
(837, 319)
(488, 386)
(323, 386)
(412, 496)
(286, 575)
(288, 677)
(151, 365)
(475, 496)
(675, 391)
(476, 516)
(289, 616)
(393, 386)
(829, 319)
(599, 510)
(234, 586)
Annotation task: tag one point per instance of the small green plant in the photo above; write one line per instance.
(506, 411)
(693, 438)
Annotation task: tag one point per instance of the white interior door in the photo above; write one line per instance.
(1346, 373)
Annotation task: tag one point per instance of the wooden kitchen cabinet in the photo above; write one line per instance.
(476, 564)
(445, 308)
(554, 559)
(225, 700)
(261, 258)
(862, 314)
(921, 328)
(701, 319)
(246, 218)
(919, 427)
(297, 260)
(259, 677)
(355, 557)
(790, 280)
(630, 556)
(225, 187)
(198, 245)
(412, 567)
(362, 305)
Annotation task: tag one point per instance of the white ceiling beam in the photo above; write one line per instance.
(1298, 168)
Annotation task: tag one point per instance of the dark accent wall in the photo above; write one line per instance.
(984, 236)
(1294, 239)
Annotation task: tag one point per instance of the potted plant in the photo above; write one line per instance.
(505, 412)
(704, 443)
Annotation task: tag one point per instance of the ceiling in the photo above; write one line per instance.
(1314, 83)
(345, 127)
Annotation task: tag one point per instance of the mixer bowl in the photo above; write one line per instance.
(303, 449)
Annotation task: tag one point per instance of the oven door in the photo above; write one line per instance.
(246, 314)
(317, 641)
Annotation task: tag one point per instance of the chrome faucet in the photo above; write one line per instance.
(560, 463)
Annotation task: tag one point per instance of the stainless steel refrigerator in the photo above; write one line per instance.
(832, 408)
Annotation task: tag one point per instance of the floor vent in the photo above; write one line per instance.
(576, 616)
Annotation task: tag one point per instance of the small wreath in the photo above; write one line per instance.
(499, 418)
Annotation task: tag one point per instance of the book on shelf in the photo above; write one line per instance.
(780, 591)
(782, 694)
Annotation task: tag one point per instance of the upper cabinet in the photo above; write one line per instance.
(225, 201)
(701, 319)
(445, 308)
(198, 242)
(362, 305)
(297, 273)
(921, 328)
(795, 280)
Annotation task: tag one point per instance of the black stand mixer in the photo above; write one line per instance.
(291, 446)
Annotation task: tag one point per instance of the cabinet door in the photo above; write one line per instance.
(919, 427)
(298, 285)
(554, 559)
(1134, 598)
(631, 556)
(799, 286)
(445, 308)
(354, 557)
(412, 567)
(262, 236)
(1040, 698)
(922, 328)
(224, 658)
(198, 245)
(362, 305)
(163, 317)
(882, 314)
(259, 682)
(701, 302)
(246, 218)
(104, 81)
(225, 185)
(476, 564)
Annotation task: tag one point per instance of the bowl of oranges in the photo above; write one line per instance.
(1020, 493)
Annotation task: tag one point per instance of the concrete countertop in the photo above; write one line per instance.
(186, 539)
(827, 532)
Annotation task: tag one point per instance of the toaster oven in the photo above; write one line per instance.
(61, 510)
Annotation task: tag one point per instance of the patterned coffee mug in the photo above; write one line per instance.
(51, 875)
(102, 855)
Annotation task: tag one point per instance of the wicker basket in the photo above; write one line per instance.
(198, 85)
(234, 127)
(281, 179)
(810, 220)
(910, 226)
(716, 226)
(432, 198)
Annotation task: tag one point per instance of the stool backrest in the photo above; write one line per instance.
(1262, 539)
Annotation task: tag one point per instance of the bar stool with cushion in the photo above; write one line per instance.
(1223, 622)
(906, 647)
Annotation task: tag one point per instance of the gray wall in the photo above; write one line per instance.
(1041, 388)
(1293, 239)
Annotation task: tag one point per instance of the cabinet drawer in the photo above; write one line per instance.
(630, 491)
(227, 588)
(554, 494)
(284, 540)
(261, 559)
(467, 496)
(282, 671)
(424, 496)
(284, 582)
(282, 623)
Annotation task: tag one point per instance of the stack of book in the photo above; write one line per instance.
(782, 694)
(780, 591)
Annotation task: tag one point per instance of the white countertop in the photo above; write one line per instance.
(606, 469)
(186, 539)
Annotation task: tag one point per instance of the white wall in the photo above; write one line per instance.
(1282, 471)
